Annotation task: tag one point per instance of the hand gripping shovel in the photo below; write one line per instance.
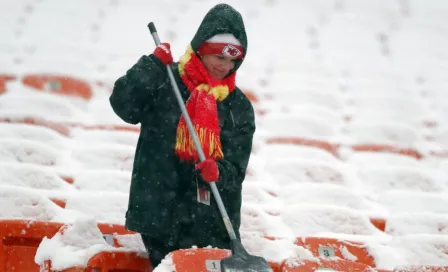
(240, 261)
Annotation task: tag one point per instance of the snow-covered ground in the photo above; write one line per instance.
(347, 73)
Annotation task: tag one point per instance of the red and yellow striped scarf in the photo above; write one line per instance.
(205, 92)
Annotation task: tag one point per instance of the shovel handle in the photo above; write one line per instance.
(222, 209)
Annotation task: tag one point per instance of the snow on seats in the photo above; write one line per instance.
(80, 246)
(32, 176)
(264, 221)
(287, 125)
(383, 132)
(299, 170)
(57, 66)
(331, 195)
(363, 159)
(105, 207)
(24, 203)
(422, 249)
(25, 151)
(417, 223)
(33, 133)
(276, 150)
(128, 138)
(336, 248)
(104, 156)
(312, 220)
(257, 193)
(46, 107)
(378, 179)
(408, 110)
(417, 202)
(323, 99)
(298, 265)
(102, 180)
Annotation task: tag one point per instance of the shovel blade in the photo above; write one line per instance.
(241, 261)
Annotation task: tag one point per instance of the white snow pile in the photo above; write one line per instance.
(74, 245)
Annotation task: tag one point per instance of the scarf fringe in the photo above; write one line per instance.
(210, 143)
(201, 108)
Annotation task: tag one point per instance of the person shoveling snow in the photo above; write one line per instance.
(171, 204)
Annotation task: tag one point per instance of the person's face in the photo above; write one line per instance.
(218, 66)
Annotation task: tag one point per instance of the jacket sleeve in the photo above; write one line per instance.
(237, 148)
(135, 92)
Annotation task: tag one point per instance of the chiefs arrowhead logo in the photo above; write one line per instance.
(231, 51)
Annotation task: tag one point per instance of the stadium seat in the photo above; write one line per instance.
(327, 146)
(251, 96)
(128, 138)
(19, 242)
(329, 100)
(105, 207)
(198, 260)
(34, 176)
(328, 248)
(387, 148)
(94, 156)
(24, 151)
(119, 262)
(102, 180)
(42, 107)
(3, 79)
(258, 220)
(294, 265)
(414, 202)
(421, 268)
(32, 132)
(61, 85)
(286, 150)
(109, 127)
(366, 158)
(58, 127)
(287, 125)
(313, 220)
(379, 179)
(383, 132)
(326, 194)
(299, 170)
(417, 223)
(406, 109)
(20, 238)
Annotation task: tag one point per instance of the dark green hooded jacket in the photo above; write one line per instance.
(162, 201)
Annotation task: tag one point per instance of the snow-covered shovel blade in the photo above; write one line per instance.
(241, 261)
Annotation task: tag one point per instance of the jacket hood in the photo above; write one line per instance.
(221, 19)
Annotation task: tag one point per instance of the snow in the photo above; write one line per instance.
(167, 265)
(347, 72)
(73, 245)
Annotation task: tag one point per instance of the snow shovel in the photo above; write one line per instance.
(240, 261)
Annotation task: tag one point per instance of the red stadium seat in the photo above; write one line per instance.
(61, 85)
(387, 148)
(19, 242)
(198, 260)
(3, 79)
(292, 265)
(61, 128)
(332, 148)
(422, 268)
(329, 248)
(118, 262)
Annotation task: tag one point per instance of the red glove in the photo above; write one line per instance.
(209, 170)
(163, 53)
